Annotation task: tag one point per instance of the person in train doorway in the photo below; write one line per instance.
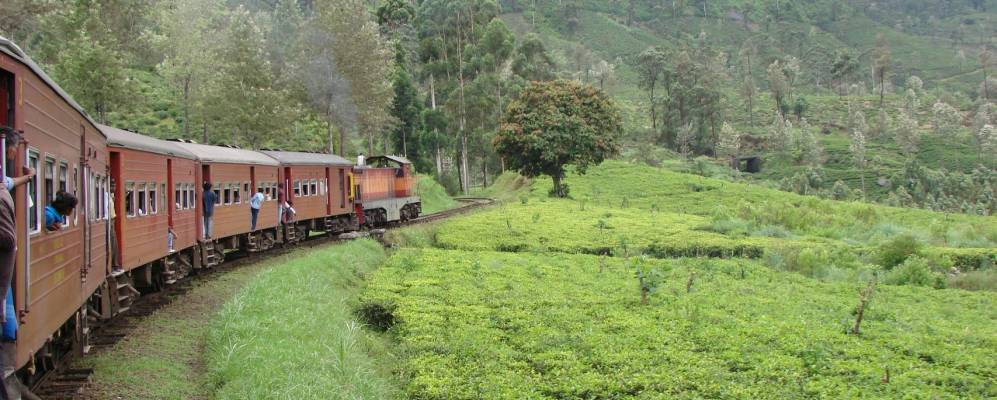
(112, 235)
(10, 386)
(209, 199)
(12, 139)
(289, 212)
(58, 212)
(8, 250)
(255, 203)
(281, 198)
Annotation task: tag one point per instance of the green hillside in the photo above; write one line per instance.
(939, 44)
(655, 284)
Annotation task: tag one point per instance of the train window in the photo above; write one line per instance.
(63, 171)
(227, 193)
(190, 194)
(49, 180)
(183, 201)
(76, 191)
(91, 211)
(218, 196)
(176, 195)
(143, 205)
(245, 188)
(130, 199)
(101, 198)
(34, 197)
(93, 191)
(314, 187)
(297, 188)
(153, 199)
(236, 194)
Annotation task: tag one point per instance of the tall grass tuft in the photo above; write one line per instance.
(291, 333)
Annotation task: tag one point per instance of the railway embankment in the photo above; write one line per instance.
(291, 332)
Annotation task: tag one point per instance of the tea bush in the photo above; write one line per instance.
(564, 227)
(645, 187)
(666, 214)
(489, 325)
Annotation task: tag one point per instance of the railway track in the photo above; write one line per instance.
(67, 383)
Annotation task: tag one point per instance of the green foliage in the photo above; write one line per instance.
(553, 124)
(897, 250)
(319, 358)
(666, 214)
(502, 325)
(914, 271)
(433, 196)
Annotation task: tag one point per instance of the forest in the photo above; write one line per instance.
(885, 101)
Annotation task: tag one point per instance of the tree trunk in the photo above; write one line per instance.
(654, 115)
(332, 139)
(439, 155)
(558, 186)
(342, 140)
(882, 89)
(484, 172)
(370, 142)
(436, 132)
(465, 176)
(464, 173)
(186, 107)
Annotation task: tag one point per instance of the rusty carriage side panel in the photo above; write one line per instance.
(235, 174)
(318, 188)
(149, 176)
(64, 147)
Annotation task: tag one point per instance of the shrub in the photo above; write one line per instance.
(894, 252)
(974, 280)
(915, 271)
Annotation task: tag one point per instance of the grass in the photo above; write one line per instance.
(162, 357)
(434, 197)
(291, 334)
(546, 326)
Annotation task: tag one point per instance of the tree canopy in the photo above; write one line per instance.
(557, 123)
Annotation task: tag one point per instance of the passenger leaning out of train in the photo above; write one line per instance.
(255, 203)
(12, 139)
(208, 198)
(57, 212)
(289, 212)
(280, 202)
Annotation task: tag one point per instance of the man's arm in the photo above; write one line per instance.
(26, 174)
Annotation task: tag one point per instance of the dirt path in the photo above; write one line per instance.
(161, 357)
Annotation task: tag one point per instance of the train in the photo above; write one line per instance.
(139, 223)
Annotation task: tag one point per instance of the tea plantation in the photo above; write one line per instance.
(486, 325)
(653, 284)
(622, 209)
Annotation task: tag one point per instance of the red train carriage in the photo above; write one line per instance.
(153, 191)
(235, 175)
(385, 190)
(318, 187)
(56, 271)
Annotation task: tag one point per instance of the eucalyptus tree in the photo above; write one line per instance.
(652, 71)
(185, 42)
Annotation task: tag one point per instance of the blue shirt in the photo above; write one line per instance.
(52, 216)
(256, 201)
(209, 203)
